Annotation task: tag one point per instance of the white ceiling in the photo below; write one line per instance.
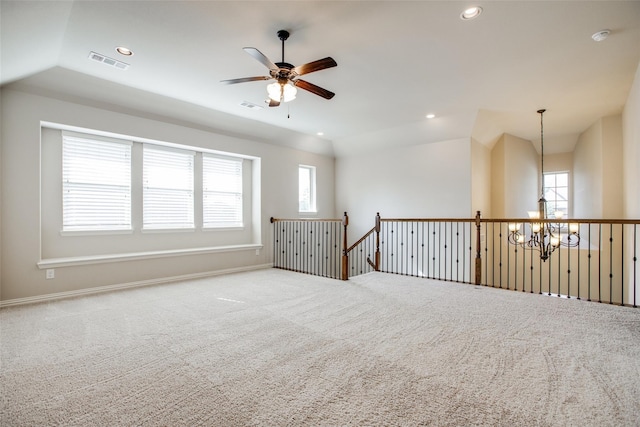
(397, 61)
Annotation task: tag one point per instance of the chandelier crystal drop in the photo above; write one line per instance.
(545, 235)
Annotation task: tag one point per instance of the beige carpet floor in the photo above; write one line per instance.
(275, 348)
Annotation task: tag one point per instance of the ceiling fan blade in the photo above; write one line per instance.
(314, 89)
(318, 65)
(273, 103)
(245, 79)
(260, 57)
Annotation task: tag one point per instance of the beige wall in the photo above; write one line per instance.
(497, 179)
(631, 172)
(22, 114)
(612, 203)
(424, 181)
(598, 172)
(480, 179)
(631, 150)
(587, 173)
(558, 162)
(514, 177)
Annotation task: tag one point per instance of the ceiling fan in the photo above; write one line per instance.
(286, 75)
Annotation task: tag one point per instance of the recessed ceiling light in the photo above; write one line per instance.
(471, 13)
(430, 116)
(320, 133)
(124, 51)
(601, 35)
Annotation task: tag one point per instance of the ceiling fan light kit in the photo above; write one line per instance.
(286, 75)
(282, 92)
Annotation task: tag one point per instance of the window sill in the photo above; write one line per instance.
(94, 232)
(136, 256)
(168, 230)
(225, 228)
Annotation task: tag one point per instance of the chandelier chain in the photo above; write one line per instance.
(541, 151)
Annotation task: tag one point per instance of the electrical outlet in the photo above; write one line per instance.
(51, 273)
(257, 252)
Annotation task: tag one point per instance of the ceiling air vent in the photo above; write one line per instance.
(108, 61)
(251, 105)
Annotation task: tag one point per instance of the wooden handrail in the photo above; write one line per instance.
(428, 219)
(367, 234)
(520, 220)
(272, 220)
(564, 220)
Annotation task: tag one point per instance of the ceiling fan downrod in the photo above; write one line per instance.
(283, 35)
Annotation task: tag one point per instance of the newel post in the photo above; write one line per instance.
(377, 259)
(478, 251)
(345, 255)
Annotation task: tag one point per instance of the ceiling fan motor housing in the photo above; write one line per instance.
(283, 35)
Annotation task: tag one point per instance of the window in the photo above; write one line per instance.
(167, 188)
(221, 191)
(556, 191)
(96, 184)
(306, 188)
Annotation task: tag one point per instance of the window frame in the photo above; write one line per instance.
(553, 202)
(312, 200)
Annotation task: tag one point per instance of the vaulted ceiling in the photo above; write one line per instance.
(397, 62)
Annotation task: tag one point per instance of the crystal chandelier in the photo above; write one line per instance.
(545, 236)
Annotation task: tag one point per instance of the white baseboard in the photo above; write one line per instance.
(109, 288)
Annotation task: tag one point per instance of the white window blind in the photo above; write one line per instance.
(306, 188)
(167, 188)
(222, 191)
(96, 184)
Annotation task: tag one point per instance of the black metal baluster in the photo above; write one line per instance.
(622, 264)
(599, 262)
(325, 247)
(579, 256)
(422, 248)
(515, 269)
(413, 242)
(589, 267)
(559, 267)
(550, 260)
(610, 263)
(288, 248)
(568, 272)
(402, 249)
(457, 246)
(304, 245)
(531, 268)
(464, 253)
(500, 258)
(493, 253)
(524, 271)
(635, 266)
(433, 255)
(394, 254)
(515, 272)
